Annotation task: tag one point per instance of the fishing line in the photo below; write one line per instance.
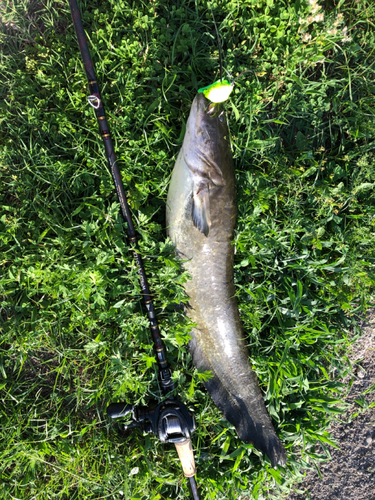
(219, 46)
(220, 90)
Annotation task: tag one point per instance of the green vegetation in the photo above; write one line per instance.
(73, 333)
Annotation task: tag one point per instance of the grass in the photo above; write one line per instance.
(74, 334)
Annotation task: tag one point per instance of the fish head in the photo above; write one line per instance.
(206, 141)
(206, 152)
(206, 128)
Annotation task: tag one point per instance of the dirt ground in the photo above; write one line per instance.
(350, 475)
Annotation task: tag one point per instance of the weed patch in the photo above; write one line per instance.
(74, 334)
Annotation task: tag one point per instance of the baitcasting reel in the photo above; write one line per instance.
(170, 420)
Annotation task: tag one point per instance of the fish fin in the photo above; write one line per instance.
(252, 425)
(201, 210)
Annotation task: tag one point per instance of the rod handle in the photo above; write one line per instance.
(186, 456)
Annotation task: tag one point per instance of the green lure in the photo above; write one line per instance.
(218, 91)
(221, 90)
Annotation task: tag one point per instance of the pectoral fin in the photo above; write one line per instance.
(201, 210)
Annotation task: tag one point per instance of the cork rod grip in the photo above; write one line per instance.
(186, 456)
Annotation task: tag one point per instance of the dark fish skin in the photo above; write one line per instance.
(217, 344)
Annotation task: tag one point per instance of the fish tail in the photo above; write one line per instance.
(250, 418)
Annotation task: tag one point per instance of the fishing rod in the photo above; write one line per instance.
(170, 420)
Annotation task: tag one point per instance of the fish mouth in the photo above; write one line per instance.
(214, 109)
(206, 107)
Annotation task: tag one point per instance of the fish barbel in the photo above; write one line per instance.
(201, 215)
